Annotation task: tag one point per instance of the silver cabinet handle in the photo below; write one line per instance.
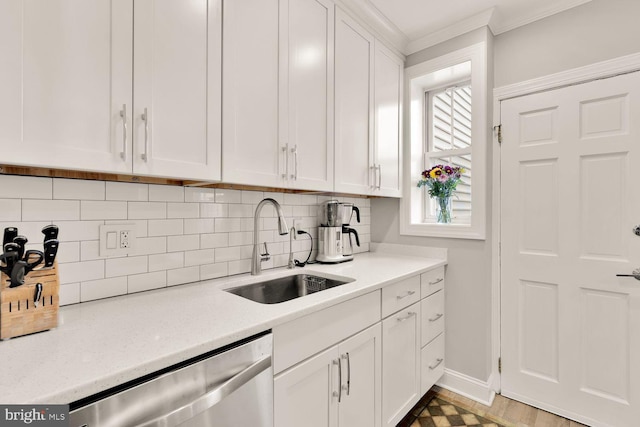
(374, 168)
(123, 114)
(408, 294)
(211, 398)
(294, 151)
(348, 387)
(145, 119)
(338, 393)
(379, 176)
(437, 281)
(407, 317)
(433, 319)
(285, 154)
(438, 362)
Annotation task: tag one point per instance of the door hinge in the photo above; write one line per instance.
(498, 129)
(499, 365)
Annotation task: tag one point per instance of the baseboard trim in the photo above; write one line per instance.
(466, 386)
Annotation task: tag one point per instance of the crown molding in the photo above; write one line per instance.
(502, 26)
(375, 21)
(474, 22)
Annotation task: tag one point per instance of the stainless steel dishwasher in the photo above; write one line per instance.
(229, 387)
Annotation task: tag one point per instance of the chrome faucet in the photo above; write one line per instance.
(292, 234)
(257, 258)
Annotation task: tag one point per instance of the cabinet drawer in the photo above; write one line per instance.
(432, 363)
(400, 295)
(432, 316)
(432, 281)
(301, 338)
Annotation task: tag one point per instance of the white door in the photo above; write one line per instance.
(361, 363)
(251, 152)
(353, 106)
(304, 394)
(65, 78)
(570, 176)
(388, 74)
(177, 88)
(400, 364)
(306, 100)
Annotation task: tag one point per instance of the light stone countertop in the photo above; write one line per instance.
(105, 343)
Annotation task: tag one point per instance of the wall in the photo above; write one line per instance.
(593, 32)
(468, 289)
(185, 234)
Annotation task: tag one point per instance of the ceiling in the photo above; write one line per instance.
(423, 23)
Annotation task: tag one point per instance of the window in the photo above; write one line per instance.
(448, 141)
(446, 105)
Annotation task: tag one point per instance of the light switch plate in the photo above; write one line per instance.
(117, 239)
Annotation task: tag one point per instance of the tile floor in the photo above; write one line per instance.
(442, 408)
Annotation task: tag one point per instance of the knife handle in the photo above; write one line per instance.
(50, 232)
(50, 252)
(37, 295)
(10, 233)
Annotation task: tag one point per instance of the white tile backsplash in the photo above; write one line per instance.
(103, 210)
(10, 210)
(147, 210)
(78, 189)
(54, 210)
(127, 191)
(185, 234)
(166, 193)
(25, 187)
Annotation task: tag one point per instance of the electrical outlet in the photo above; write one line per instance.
(117, 239)
(124, 239)
(297, 225)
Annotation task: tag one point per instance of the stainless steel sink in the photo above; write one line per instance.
(286, 288)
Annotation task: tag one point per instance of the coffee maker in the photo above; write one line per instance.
(332, 231)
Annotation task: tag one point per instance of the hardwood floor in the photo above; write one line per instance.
(514, 413)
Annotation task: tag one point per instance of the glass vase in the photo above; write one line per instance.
(443, 210)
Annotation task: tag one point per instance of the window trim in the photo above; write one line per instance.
(411, 222)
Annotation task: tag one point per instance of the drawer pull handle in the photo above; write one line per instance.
(407, 317)
(433, 319)
(437, 281)
(408, 294)
(338, 393)
(438, 362)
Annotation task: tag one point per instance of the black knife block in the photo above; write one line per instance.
(19, 314)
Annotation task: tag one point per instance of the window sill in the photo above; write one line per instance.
(452, 231)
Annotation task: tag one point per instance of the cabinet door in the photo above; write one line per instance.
(353, 106)
(251, 153)
(361, 374)
(306, 101)
(65, 76)
(387, 117)
(304, 394)
(401, 364)
(177, 88)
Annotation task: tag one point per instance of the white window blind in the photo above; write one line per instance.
(449, 142)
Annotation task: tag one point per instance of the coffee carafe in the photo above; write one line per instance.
(346, 210)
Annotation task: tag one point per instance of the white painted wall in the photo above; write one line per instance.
(593, 32)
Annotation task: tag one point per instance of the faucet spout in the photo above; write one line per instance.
(257, 257)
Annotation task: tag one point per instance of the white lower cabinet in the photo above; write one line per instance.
(401, 363)
(338, 387)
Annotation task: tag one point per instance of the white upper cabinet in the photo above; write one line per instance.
(388, 75)
(353, 106)
(306, 99)
(66, 97)
(278, 88)
(368, 105)
(64, 79)
(251, 151)
(177, 88)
